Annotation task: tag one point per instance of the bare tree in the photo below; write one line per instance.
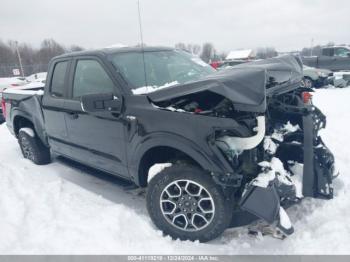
(33, 60)
(180, 46)
(49, 48)
(208, 52)
(266, 52)
(194, 49)
(7, 56)
(316, 51)
(75, 48)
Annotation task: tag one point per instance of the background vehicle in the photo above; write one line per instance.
(315, 77)
(335, 58)
(210, 128)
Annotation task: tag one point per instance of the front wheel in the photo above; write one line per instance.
(185, 203)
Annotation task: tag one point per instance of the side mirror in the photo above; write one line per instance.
(101, 102)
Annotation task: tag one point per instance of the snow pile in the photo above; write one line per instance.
(62, 209)
(149, 89)
(157, 168)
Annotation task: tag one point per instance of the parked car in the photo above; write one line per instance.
(227, 140)
(335, 58)
(315, 77)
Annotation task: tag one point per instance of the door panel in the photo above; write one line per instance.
(342, 63)
(326, 62)
(53, 106)
(95, 138)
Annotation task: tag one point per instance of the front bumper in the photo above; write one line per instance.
(319, 167)
(307, 148)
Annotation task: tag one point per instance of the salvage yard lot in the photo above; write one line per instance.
(64, 209)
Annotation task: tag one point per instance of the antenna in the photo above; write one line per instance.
(140, 23)
(142, 44)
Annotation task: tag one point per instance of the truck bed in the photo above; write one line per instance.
(25, 102)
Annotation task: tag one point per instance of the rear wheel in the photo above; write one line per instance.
(185, 203)
(32, 148)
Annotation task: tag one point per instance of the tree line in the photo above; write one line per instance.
(36, 59)
(208, 53)
(33, 60)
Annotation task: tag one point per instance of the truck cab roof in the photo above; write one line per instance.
(113, 50)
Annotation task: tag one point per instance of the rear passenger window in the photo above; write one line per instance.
(58, 79)
(91, 78)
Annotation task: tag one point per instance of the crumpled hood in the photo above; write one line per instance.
(246, 85)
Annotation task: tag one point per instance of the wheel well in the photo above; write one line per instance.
(161, 154)
(20, 122)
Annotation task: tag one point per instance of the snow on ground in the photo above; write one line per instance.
(64, 208)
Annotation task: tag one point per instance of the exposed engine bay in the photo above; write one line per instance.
(281, 158)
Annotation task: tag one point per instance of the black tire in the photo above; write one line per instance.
(33, 149)
(223, 207)
(308, 82)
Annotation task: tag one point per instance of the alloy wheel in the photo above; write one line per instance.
(187, 205)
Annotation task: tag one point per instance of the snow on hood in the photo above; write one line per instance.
(246, 85)
(149, 89)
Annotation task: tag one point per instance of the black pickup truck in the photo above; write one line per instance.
(229, 140)
(335, 58)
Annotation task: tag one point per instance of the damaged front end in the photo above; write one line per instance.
(296, 162)
(277, 155)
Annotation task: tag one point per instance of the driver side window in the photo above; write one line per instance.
(91, 78)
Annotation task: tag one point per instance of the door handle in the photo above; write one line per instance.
(72, 115)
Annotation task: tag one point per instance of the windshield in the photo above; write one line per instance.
(161, 69)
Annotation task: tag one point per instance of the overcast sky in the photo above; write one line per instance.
(228, 24)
